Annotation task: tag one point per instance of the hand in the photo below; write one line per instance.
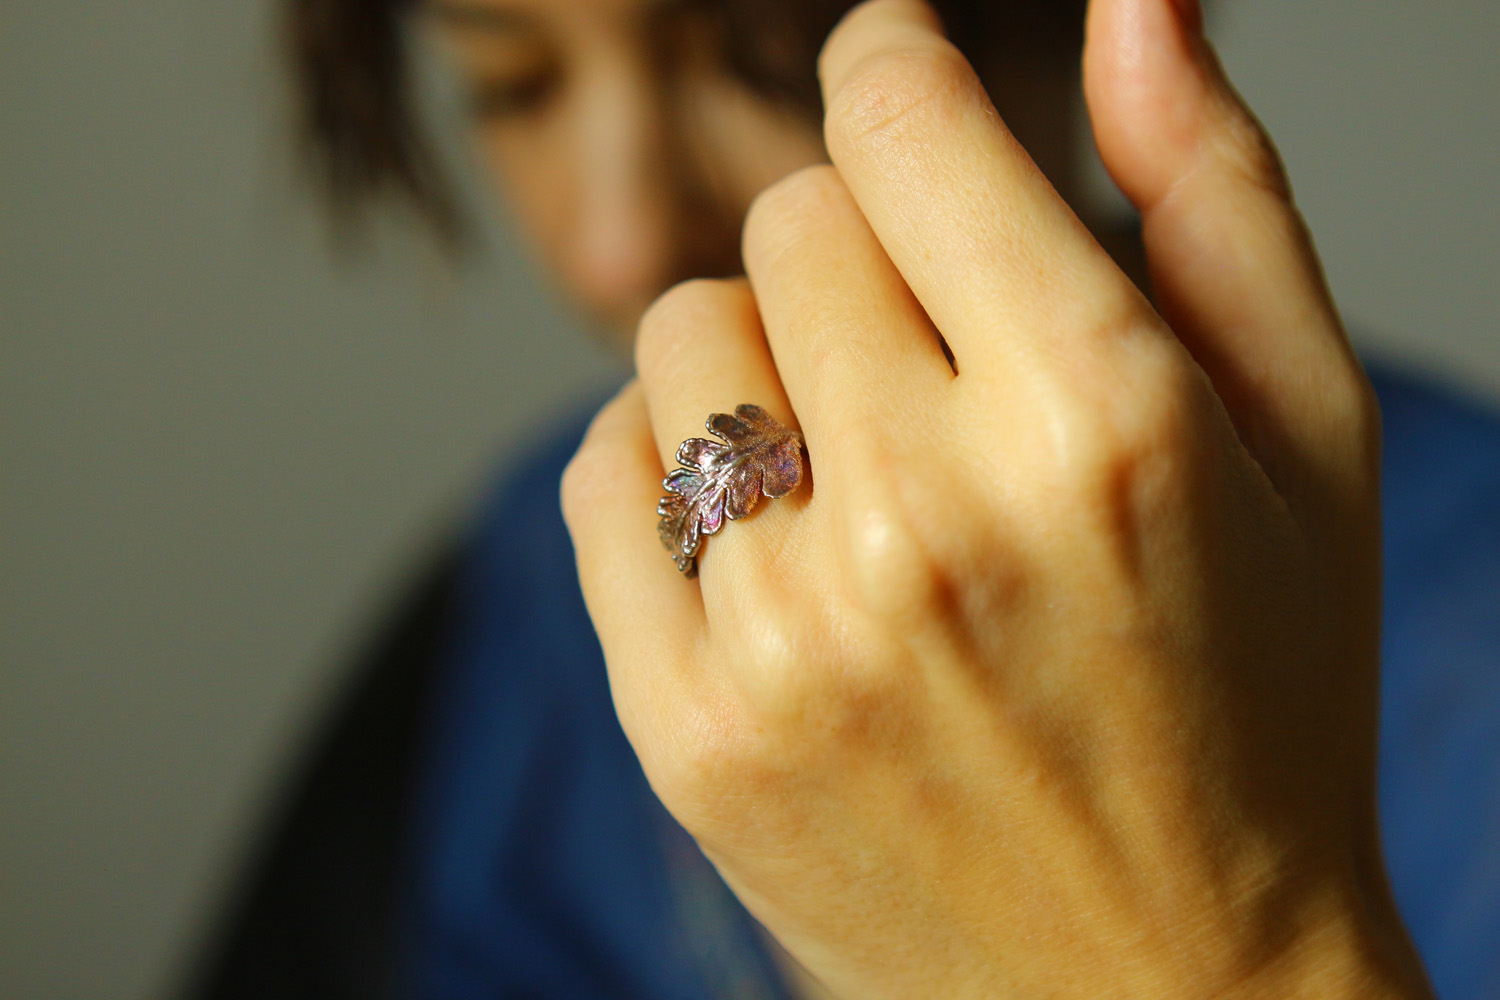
(1059, 679)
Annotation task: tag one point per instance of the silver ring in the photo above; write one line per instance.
(725, 480)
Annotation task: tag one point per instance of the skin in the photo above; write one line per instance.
(629, 153)
(1058, 678)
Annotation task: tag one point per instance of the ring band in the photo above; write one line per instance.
(718, 480)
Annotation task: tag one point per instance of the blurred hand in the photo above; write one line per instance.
(1060, 679)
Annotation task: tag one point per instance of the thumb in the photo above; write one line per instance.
(1232, 264)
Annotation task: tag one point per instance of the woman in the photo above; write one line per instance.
(1048, 666)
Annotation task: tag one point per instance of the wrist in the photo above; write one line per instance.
(1356, 948)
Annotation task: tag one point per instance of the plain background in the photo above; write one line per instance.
(221, 448)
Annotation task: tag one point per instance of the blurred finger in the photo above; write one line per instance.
(1232, 263)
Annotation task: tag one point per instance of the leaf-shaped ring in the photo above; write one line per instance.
(718, 480)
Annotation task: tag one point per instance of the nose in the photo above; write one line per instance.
(624, 225)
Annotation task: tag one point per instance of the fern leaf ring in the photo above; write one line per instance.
(725, 479)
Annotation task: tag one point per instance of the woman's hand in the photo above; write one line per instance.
(1059, 676)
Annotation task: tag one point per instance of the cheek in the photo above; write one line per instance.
(535, 177)
(619, 215)
(748, 143)
(602, 227)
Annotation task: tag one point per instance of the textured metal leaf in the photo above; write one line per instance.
(673, 528)
(700, 453)
(743, 493)
(686, 483)
(760, 457)
(712, 505)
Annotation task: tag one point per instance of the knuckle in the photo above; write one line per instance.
(892, 92)
(1149, 434)
(586, 482)
(592, 475)
(1246, 149)
(1367, 421)
(1352, 411)
(890, 568)
(792, 669)
(703, 744)
(811, 698)
(1125, 442)
(784, 211)
(780, 670)
(891, 565)
(923, 547)
(670, 324)
(710, 761)
(1154, 408)
(1351, 400)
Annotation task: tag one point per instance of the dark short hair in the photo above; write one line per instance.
(363, 140)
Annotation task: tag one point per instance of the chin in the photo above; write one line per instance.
(615, 322)
(615, 328)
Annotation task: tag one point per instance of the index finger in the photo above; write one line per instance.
(991, 250)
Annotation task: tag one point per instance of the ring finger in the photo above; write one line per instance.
(701, 350)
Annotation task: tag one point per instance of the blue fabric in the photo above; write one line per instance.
(1440, 720)
(546, 868)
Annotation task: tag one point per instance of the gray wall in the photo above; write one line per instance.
(219, 448)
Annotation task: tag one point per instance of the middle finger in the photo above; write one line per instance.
(851, 343)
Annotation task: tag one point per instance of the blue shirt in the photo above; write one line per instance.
(546, 868)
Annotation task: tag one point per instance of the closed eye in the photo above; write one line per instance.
(515, 97)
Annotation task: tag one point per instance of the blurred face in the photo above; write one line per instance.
(626, 146)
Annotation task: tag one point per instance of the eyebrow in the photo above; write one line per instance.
(481, 16)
